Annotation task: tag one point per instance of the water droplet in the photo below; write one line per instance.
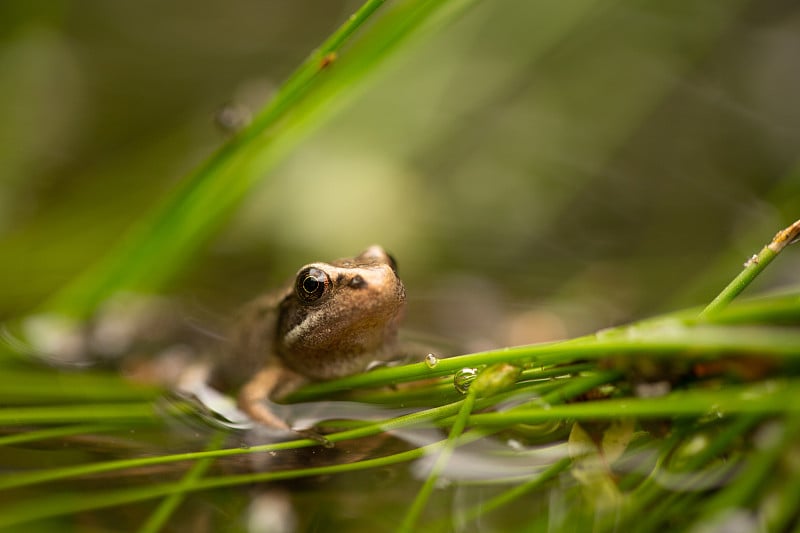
(716, 411)
(431, 360)
(464, 378)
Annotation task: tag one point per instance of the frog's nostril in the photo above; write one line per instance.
(357, 282)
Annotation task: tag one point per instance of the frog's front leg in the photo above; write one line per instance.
(271, 380)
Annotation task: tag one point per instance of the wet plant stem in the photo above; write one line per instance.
(518, 491)
(667, 341)
(568, 390)
(54, 433)
(168, 505)
(753, 267)
(58, 414)
(653, 495)
(787, 509)
(53, 474)
(777, 398)
(757, 469)
(446, 452)
(72, 502)
(651, 490)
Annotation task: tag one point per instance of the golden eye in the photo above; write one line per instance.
(311, 284)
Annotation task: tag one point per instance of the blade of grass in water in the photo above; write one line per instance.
(565, 391)
(159, 517)
(660, 502)
(635, 339)
(116, 275)
(59, 414)
(763, 398)
(21, 387)
(753, 399)
(517, 491)
(666, 342)
(53, 474)
(72, 502)
(420, 501)
(53, 433)
(759, 467)
(652, 492)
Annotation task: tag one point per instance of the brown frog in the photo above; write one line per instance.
(331, 321)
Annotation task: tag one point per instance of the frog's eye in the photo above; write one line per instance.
(311, 284)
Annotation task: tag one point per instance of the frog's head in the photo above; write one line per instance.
(341, 315)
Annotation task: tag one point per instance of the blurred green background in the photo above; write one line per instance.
(539, 169)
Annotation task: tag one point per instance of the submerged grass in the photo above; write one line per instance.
(159, 518)
(753, 380)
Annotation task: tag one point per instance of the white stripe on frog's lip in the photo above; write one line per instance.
(309, 323)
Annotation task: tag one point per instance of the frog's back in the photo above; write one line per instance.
(250, 342)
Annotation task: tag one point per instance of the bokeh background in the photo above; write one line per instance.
(539, 169)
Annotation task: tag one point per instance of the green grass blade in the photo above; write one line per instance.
(159, 518)
(47, 386)
(668, 340)
(53, 433)
(756, 473)
(69, 503)
(54, 474)
(418, 505)
(119, 413)
(763, 399)
(752, 269)
(158, 246)
(517, 491)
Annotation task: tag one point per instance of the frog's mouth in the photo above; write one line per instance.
(350, 330)
(347, 343)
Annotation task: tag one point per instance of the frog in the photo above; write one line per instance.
(333, 319)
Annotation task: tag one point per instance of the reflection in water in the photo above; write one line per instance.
(478, 473)
(490, 459)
